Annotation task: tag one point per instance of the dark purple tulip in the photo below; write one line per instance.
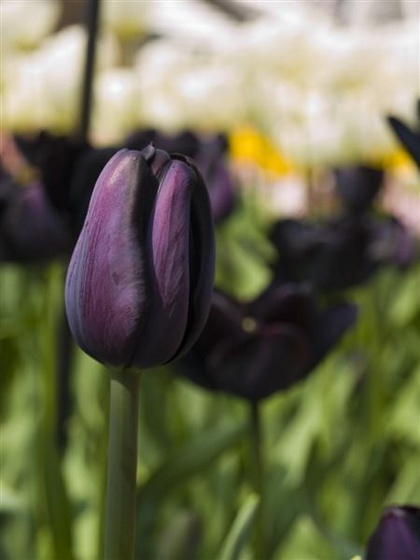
(209, 154)
(330, 256)
(85, 173)
(341, 253)
(139, 283)
(185, 142)
(357, 186)
(211, 161)
(254, 350)
(31, 230)
(391, 243)
(54, 157)
(397, 537)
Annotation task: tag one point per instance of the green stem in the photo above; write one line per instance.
(258, 475)
(120, 522)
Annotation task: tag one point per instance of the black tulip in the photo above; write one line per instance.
(254, 350)
(397, 536)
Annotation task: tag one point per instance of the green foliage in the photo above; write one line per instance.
(336, 448)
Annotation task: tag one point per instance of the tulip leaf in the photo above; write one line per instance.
(240, 530)
(190, 460)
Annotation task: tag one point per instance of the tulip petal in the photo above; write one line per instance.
(169, 240)
(202, 263)
(271, 360)
(107, 282)
(329, 327)
(397, 535)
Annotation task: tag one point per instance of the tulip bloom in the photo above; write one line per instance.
(254, 350)
(397, 535)
(357, 186)
(31, 230)
(339, 253)
(210, 158)
(139, 283)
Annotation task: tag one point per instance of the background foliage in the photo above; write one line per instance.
(336, 448)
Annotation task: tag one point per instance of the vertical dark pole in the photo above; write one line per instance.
(65, 351)
(92, 24)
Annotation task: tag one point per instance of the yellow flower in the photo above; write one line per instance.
(246, 144)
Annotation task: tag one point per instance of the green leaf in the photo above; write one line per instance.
(190, 460)
(240, 530)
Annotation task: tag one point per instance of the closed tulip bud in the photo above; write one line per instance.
(140, 279)
(397, 535)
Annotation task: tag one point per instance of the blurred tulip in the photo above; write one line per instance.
(397, 535)
(139, 282)
(184, 142)
(357, 186)
(220, 182)
(209, 155)
(31, 230)
(340, 253)
(254, 350)
(54, 157)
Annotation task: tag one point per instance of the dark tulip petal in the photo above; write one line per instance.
(107, 288)
(408, 138)
(55, 157)
(287, 303)
(31, 230)
(225, 321)
(169, 238)
(158, 160)
(86, 172)
(202, 262)
(264, 363)
(391, 243)
(224, 325)
(139, 139)
(357, 186)
(397, 537)
(329, 327)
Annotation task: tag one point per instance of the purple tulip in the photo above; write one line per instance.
(209, 154)
(31, 230)
(397, 537)
(357, 186)
(254, 350)
(139, 283)
(338, 254)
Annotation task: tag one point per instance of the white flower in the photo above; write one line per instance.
(212, 97)
(43, 88)
(116, 108)
(195, 24)
(157, 67)
(126, 18)
(24, 25)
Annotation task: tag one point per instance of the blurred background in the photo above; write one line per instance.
(285, 105)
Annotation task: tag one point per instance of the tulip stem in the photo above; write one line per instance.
(120, 521)
(92, 24)
(257, 464)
